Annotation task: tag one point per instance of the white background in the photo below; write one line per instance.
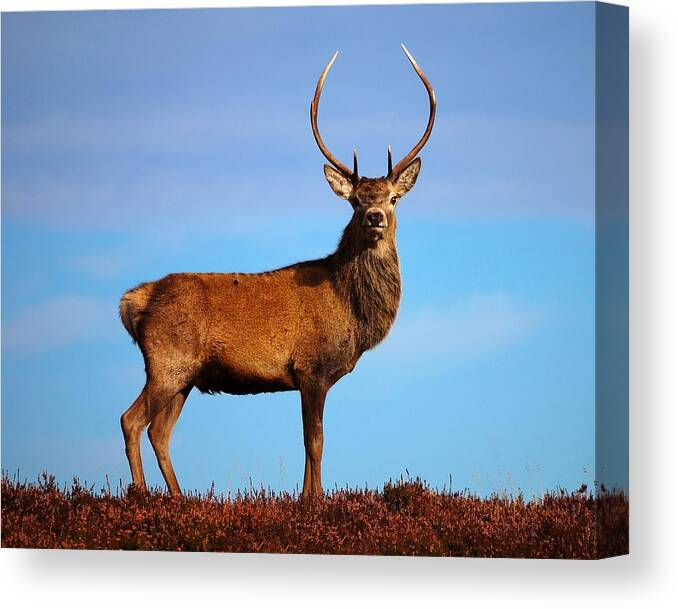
(646, 578)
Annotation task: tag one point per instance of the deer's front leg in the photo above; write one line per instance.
(312, 407)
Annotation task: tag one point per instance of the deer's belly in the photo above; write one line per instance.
(218, 377)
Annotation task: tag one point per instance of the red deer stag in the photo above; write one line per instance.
(300, 327)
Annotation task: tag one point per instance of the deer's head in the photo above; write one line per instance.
(374, 200)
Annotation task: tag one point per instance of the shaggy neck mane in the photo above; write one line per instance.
(368, 278)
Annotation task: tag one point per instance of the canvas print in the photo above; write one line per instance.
(339, 280)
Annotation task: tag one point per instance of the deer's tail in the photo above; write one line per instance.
(133, 308)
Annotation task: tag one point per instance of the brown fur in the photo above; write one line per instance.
(300, 327)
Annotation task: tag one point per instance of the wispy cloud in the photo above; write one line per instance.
(104, 264)
(163, 199)
(58, 322)
(475, 327)
(160, 129)
(539, 168)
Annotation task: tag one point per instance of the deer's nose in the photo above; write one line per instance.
(375, 217)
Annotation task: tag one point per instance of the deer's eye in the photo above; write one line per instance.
(394, 200)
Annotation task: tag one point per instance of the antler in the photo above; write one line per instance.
(393, 173)
(352, 175)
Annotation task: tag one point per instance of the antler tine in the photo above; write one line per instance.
(355, 164)
(390, 161)
(314, 125)
(431, 118)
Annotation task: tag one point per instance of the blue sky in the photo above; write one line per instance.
(141, 143)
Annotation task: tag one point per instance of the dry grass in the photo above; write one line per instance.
(407, 518)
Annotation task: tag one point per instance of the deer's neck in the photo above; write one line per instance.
(368, 279)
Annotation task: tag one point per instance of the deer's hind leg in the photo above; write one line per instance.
(159, 434)
(152, 400)
(133, 423)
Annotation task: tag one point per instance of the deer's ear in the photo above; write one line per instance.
(408, 177)
(338, 182)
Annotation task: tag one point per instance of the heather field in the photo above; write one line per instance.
(406, 518)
